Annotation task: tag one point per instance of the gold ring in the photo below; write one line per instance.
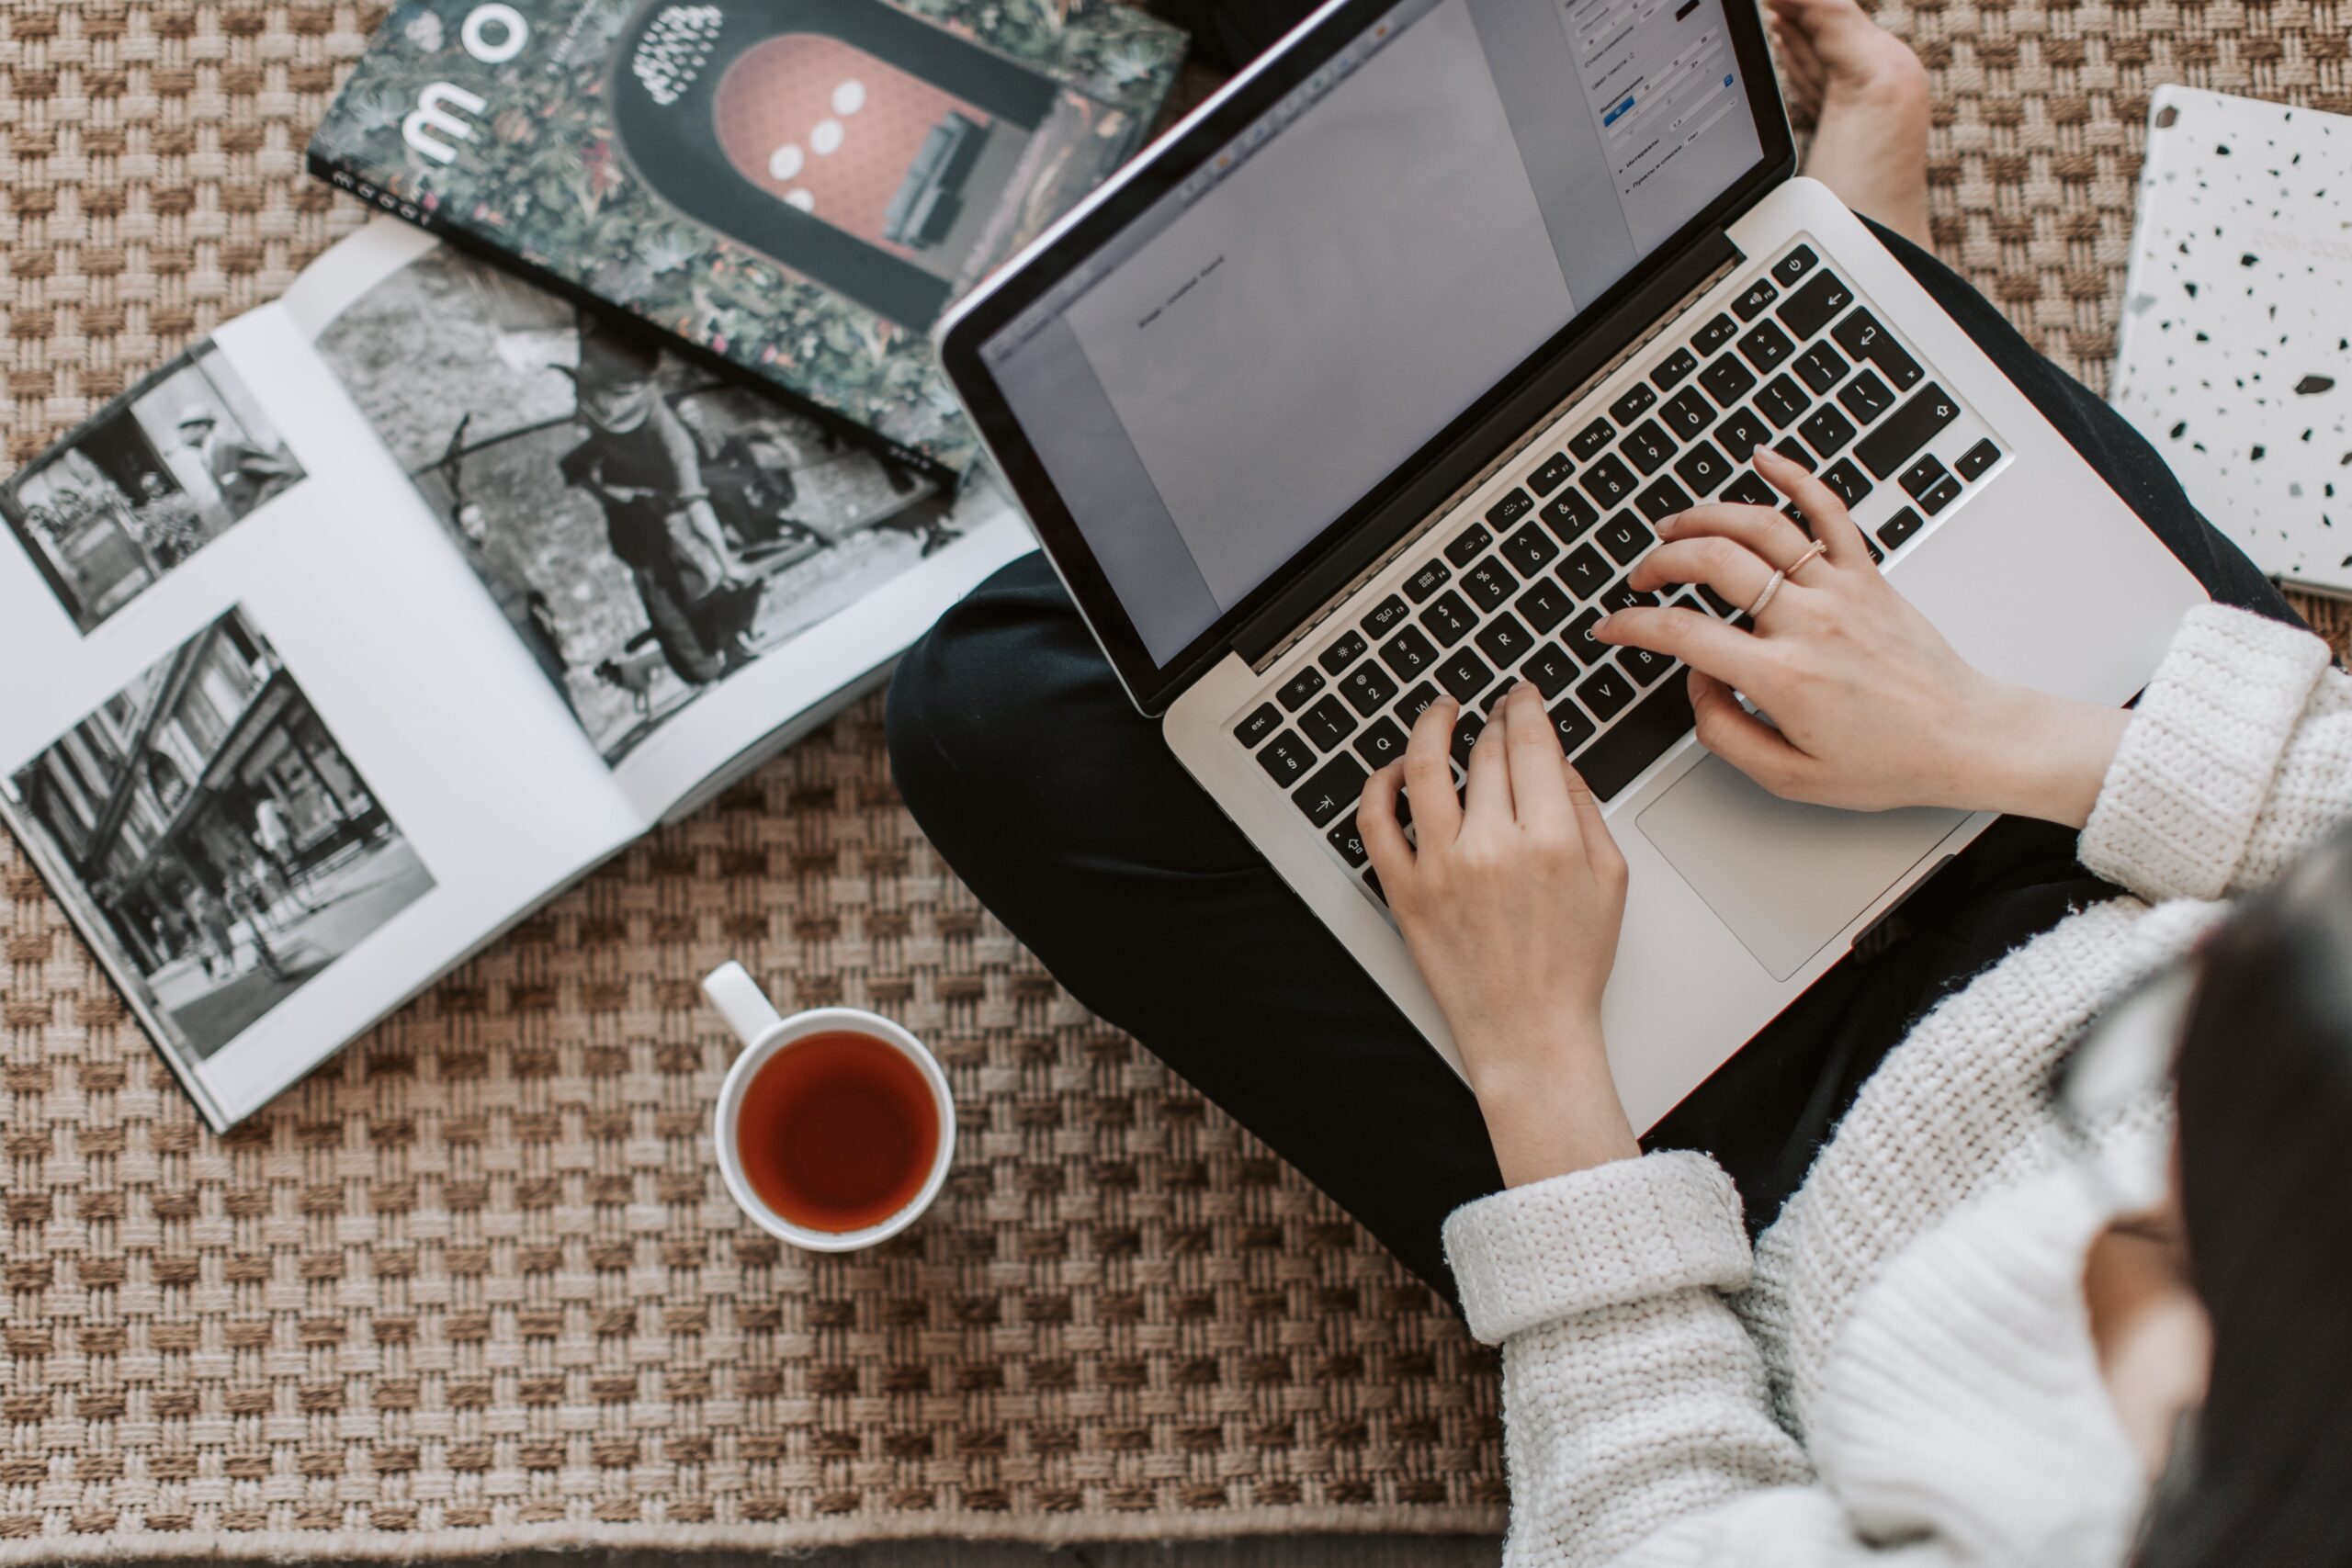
(1817, 548)
(1771, 586)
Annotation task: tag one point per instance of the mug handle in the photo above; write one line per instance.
(741, 1001)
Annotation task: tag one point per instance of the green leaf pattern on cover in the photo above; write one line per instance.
(542, 181)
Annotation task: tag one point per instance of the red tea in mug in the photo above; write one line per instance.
(837, 1132)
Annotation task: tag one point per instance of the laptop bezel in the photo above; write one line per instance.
(1461, 447)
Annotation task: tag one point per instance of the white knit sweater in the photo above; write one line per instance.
(1901, 1369)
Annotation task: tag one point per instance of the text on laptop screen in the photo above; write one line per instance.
(1258, 350)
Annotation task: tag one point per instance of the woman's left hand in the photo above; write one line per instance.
(1510, 906)
(1869, 706)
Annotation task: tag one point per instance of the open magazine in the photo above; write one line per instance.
(355, 633)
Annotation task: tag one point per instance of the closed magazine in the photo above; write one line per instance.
(353, 634)
(797, 186)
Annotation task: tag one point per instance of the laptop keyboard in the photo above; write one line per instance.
(1513, 587)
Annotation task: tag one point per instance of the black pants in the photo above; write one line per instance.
(1063, 810)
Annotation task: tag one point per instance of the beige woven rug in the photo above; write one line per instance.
(475, 1286)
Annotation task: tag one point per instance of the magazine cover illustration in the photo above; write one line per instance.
(800, 186)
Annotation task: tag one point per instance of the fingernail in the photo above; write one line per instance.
(1668, 524)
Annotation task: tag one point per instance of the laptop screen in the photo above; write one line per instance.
(1267, 341)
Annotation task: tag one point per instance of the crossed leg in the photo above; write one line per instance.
(1063, 810)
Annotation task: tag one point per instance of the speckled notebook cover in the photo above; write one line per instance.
(2235, 353)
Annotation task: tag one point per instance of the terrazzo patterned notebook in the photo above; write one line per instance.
(2235, 354)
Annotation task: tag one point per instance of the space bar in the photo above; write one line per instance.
(1617, 759)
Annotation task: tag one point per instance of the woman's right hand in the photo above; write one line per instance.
(1869, 706)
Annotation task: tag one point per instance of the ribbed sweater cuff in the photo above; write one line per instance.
(1615, 1233)
(2180, 800)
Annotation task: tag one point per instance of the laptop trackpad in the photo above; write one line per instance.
(1785, 877)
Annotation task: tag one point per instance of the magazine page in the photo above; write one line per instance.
(687, 562)
(800, 188)
(846, 652)
(258, 726)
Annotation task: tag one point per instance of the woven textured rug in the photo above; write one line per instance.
(475, 1286)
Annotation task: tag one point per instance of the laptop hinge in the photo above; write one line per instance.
(1291, 618)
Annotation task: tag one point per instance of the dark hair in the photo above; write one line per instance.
(610, 359)
(2265, 1095)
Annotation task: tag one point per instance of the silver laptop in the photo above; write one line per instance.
(1367, 382)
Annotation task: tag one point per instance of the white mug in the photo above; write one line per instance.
(764, 1032)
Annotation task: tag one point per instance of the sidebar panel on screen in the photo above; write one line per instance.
(1662, 81)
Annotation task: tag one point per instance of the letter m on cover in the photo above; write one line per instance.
(432, 121)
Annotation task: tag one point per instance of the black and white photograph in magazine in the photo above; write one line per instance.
(161, 472)
(646, 528)
(228, 847)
